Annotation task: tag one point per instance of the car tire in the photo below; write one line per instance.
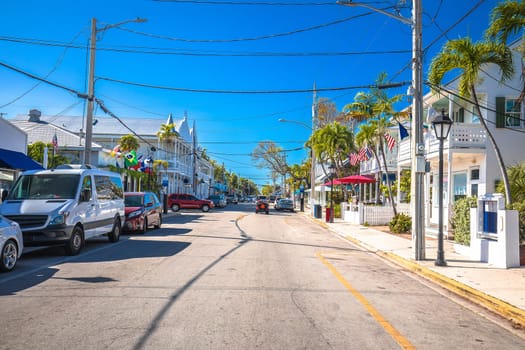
(144, 226)
(159, 223)
(9, 256)
(205, 208)
(114, 235)
(76, 241)
(175, 207)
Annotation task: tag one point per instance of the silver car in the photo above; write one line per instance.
(11, 244)
(284, 204)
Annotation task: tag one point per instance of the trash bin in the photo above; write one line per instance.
(317, 211)
(328, 214)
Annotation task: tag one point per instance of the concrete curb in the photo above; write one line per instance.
(513, 314)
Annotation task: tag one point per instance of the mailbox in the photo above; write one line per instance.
(488, 206)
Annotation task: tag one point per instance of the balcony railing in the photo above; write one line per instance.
(461, 136)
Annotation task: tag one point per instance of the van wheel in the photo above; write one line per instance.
(205, 208)
(144, 226)
(114, 235)
(74, 245)
(9, 256)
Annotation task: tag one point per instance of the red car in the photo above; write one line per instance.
(177, 201)
(143, 209)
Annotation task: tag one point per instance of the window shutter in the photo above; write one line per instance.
(500, 112)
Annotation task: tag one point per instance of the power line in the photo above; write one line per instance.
(291, 91)
(198, 53)
(262, 37)
(251, 3)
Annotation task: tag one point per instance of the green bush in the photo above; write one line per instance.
(460, 220)
(520, 207)
(401, 223)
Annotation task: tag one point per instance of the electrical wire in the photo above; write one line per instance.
(262, 37)
(198, 53)
(383, 86)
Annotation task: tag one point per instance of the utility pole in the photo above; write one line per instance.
(417, 146)
(91, 81)
(91, 84)
(313, 165)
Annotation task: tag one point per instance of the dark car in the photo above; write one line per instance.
(177, 201)
(262, 205)
(143, 210)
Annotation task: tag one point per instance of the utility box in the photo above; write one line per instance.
(494, 232)
(318, 213)
(488, 206)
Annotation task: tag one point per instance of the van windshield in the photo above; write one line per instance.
(45, 187)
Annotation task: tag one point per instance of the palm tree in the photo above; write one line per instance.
(129, 143)
(376, 107)
(332, 143)
(470, 57)
(507, 19)
(167, 134)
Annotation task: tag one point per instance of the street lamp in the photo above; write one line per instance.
(91, 80)
(441, 125)
(312, 164)
(416, 141)
(331, 171)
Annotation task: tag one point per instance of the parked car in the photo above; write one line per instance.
(231, 198)
(11, 244)
(177, 201)
(143, 209)
(66, 206)
(284, 204)
(218, 200)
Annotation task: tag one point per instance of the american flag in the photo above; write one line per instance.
(54, 142)
(390, 141)
(353, 159)
(364, 154)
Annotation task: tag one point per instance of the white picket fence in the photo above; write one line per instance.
(373, 215)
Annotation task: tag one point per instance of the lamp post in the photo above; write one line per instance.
(91, 80)
(442, 125)
(312, 163)
(331, 170)
(416, 141)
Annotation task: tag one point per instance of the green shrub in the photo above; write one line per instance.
(460, 220)
(520, 207)
(401, 223)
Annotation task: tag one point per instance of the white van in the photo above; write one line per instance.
(66, 206)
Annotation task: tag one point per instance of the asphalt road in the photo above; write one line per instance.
(231, 279)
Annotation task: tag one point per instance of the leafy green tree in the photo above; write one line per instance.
(517, 187)
(129, 143)
(35, 151)
(508, 19)
(469, 58)
(332, 144)
(168, 135)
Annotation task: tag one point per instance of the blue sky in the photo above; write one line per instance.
(203, 46)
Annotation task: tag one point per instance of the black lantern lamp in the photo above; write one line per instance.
(331, 170)
(442, 125)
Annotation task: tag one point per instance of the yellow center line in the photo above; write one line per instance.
(400, 339)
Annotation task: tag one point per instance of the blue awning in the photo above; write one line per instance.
(17, 160)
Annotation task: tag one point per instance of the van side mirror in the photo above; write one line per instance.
(4, 195)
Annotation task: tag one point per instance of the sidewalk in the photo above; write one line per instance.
(499, 290)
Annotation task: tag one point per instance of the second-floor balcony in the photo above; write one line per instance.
(461, 135)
